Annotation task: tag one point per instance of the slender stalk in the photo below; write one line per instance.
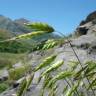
(70, 86)
(81, 65)
(78, 60)
(68, 83)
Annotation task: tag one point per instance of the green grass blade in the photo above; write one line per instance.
(92, 84)
(29, 80)
(61, 75)
(22, 88)
(72, 90)
(78, 74)
(40, 27)
(53, 67)
(46, 62)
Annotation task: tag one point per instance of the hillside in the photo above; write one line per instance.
(11, 25)
(11, 28)
(17, 26)
(80, 50)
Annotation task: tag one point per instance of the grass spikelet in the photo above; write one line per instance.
(53, 67)
(46, 62)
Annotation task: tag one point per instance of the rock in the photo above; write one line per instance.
(84, 41)
(15, 85)
(92, 48)
(91, 17)
(36, 76)
(12, 26)
(65, 52)
(92, 30)
(21, 21)
(17, 65)
(87, 26)
(81, 30)
(4, 75)
(83, 45)
(5, 78)
(18, 82)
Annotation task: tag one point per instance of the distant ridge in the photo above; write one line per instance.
(16, 26)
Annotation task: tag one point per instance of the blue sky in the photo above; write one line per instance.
(64, 15)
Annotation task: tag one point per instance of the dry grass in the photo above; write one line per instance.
(8, 59)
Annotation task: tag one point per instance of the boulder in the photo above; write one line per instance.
(4, 75)
(84, 41)
(92, 48)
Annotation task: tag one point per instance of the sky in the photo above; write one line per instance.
(63, 15)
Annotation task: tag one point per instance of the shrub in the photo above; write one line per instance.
(3, 87)
(8, 59)
(4, 34)
(17, 73)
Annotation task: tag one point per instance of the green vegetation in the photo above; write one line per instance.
(25, 85)
(4, 34)
(17, 73)
(45, 63)
(18, 46)
(8, 59)
(3, 87)
(25, 42)
(73, 77)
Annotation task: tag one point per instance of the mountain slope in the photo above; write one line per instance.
(12, 26)
(82, 44)
(87, 26)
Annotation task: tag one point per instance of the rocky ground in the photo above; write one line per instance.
(66, 53)
(84, 46)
